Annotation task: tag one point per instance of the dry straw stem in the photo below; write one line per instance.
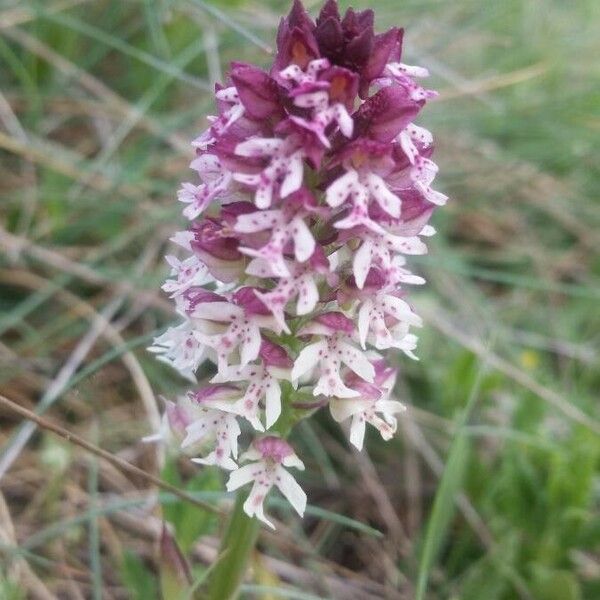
(109, 332)
(19, 569)
(105, 455)
(53, 157)
(99, 324)
(494, 83)
(22, 14)
(13, 243)
(131, 469)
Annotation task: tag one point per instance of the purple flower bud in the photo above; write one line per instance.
(386, 47)
(196, 296)
(210, 237)
(274, 355)
(258, 92)
(336, 321)
(296, 43)
(212, 393)
(178, 418)
(383, 116)
(218, 249)
(247, 299)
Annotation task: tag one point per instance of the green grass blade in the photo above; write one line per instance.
(444, 503)
(118, 44)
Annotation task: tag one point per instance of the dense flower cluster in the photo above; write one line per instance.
(315, 184)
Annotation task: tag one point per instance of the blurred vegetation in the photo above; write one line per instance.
(491, 488)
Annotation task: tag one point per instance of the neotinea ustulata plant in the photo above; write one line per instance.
(314, 186)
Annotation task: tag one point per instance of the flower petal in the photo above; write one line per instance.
(250, 346)
(308, 296)
(272, 403)
(357, 431)
(341, 188)
(290, 488)
(308, 359)
(364, 320)
(293, 179)
(257, 221)
(241, 477)
(357, 361)
(304, 242)
(362, 263)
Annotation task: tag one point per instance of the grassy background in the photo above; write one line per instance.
(491, 488)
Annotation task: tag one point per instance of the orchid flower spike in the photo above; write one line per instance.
(313, 186)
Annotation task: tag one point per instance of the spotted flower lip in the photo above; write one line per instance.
(270, 455)
(373, 402)
(314, 185)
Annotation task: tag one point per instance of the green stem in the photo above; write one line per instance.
(236, 546)
(240, 537)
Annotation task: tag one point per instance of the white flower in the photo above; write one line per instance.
(210, 423)
(198, 197)
(179, 347)
(423, 173)
(283, 229)
(374, 399)
(271, 455)
(323, 116)
(228, 328)
(365, 411)
(317, 99)
(403, 75)
(403, 340)
(412, 135)
(301, 285)
(227, 118)
(285, 169)
(261, 382)
(397, 274)
(188, 273)
(173, 423)
(380, 249)
(361, 189)
(330, 354)
(372, 316)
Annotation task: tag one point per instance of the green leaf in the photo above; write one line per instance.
(556, 585)
(10, 590)
(189, 521)
(137, 578)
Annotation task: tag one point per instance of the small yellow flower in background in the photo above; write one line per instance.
(530, 359)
